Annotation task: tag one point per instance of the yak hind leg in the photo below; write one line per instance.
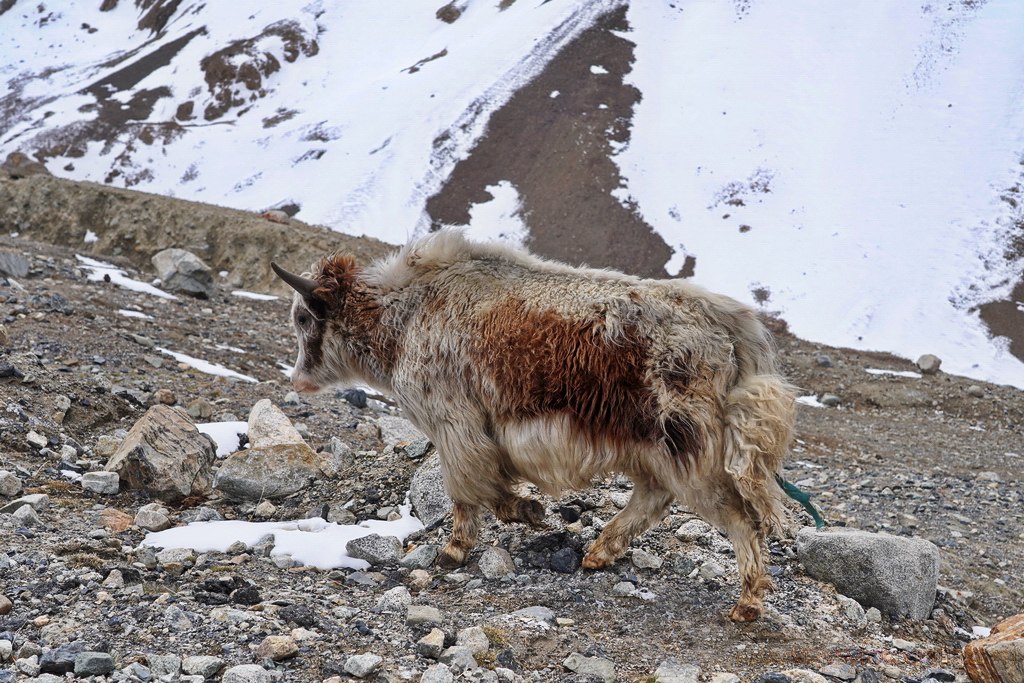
(465, 525)
(646, 507)
(729, 511)
(513, 508)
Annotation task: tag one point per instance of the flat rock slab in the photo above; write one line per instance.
(897, 575)
(270, 472)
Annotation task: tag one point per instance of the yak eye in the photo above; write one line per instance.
(302, 318)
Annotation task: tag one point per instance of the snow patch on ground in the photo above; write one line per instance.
(206, 366)
(98, 271)
(224, 434)
(253, 295)
(312, 542)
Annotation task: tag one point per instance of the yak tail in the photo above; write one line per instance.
(758, 428)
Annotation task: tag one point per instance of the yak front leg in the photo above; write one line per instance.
(646, 506)
(465, 524)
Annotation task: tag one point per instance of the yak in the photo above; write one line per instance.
(524, 369)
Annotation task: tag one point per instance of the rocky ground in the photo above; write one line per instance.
(937, 457)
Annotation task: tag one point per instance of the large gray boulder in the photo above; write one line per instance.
(165, 455)
(277, 464)
(897, 575)
(427, 494)
(182, 271)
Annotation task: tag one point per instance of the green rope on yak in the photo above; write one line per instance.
(803, 498)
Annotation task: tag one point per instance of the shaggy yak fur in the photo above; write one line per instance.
(520, 369)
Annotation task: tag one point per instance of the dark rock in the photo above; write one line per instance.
(565, 561)
(61, 660)
(569, 513)
(355, 397)
(300, 615)
(773, 677)
(93, 664)
(944, 675)
(247, 595)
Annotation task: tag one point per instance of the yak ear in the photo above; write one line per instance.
(336, 276)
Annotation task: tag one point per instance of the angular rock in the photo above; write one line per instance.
(376, 549)
(496, 563)
(61, 660)
(164, 665)
(182, 271)
(839, 670)
(37, 501)
(277, 464)
(6, 649)
(427, 493)
(437, 673)
(808, 676)
(13, 264)
(396, 599)
(277, 648)
(246, 673)
(459, 658)
(597, 667)
(26, 516)
(93, 664)
(397, 430)
(432, 644)
(115, 520)
(202, 665)
(674, 671)
(645, 560)
(897, 575)
(10, 484)
(423, 614)
(929, 363)
(362, 665)
(474, 638)
(165, 455)
(103, 483)
(420, 557)
(153, 517)
(998, 657)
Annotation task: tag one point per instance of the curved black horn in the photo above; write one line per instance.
(302, 285)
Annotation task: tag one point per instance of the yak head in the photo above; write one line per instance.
(322, 313)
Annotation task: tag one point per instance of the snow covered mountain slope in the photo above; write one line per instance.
(855, 167)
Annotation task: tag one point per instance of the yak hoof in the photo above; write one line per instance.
(745, 612)
(594, 560)
(451, 557)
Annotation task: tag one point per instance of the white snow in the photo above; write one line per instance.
(253, 295)
(313, 542)
(90, 237)
(868, 143)
(498, 219)
(206, 366)
(227, 347)
(98, 271)
(597, 69)
(224, 434)
(897, 373)
(810, 400)
(134, 314)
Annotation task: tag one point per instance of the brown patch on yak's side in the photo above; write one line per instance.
(543, 364)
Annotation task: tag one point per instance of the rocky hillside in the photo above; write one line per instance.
(90, 370)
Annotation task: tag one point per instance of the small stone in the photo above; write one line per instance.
(103, 483)
(26, 516)
(565, 561)
(944, 675)
(202, 665)
(623, 589)
(396, 599)
(106, 446)
(432, 644)
(36, 440)
(644, 560)
(200, 409)
(115, 520)
(536, 613)
(246, 673)
(853, 610)
(904, 645)
(873, 615)
(496, 563)
(674, 671)
(10, 484)
(423, 614)
(176, 560)
(804, 676)
(153, 517)
(376, 549)
(596, 667)
(420, 557)
(840, 670)
(929, 363)
(6, 649)
(437, 673)
(474, 638)
(162, 396)
(459, 658)
(362, 665)
(830, 400)
(976, 391)
(823, 360)
(5, 605)
(693, 530)
(711, 570)
(93, 664)
(265, 509)
(724, 677)
(164, 665)
(419, 579)
(277, 648)
(114, 580)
